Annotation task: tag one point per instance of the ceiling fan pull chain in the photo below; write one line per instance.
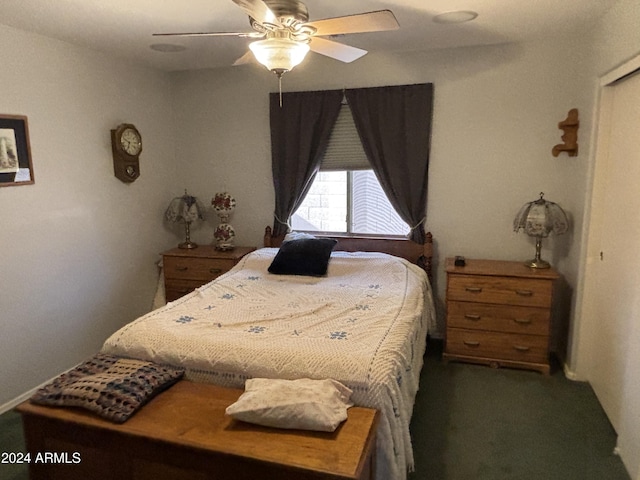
(280, 88)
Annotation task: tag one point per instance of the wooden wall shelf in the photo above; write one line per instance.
(570, 138)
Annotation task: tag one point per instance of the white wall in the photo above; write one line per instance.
(78, 248)
(495, 123)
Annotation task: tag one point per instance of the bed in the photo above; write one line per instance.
(364, 324)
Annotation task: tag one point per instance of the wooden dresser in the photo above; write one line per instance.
(187, 269)
(499, 314)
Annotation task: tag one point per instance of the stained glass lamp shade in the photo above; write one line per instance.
(185, 209)
(538, 219)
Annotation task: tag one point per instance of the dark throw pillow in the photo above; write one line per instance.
(112, 387)
(306, 256)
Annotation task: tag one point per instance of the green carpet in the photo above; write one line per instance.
(11, 441)
(475, 423)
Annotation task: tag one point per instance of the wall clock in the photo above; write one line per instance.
(126, 146)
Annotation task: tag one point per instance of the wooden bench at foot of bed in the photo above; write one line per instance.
(184, 434)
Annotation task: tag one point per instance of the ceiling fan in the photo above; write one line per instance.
(283, 34)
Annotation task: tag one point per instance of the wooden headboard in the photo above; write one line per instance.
(421, 255)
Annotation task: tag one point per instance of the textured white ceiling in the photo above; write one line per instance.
(124, 27)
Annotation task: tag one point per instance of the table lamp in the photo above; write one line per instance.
(224, 235)
(184, 209)
(538, 219)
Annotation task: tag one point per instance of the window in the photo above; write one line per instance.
(349, 202)
(346, 196)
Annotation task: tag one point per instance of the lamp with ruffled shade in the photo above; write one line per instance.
(538, 219)
(188, 210)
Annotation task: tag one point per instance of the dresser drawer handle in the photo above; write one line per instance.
(182, 269)
(520, 348)
(473, 289)
(524, 293)
(469, 343)
(470, 316)
(522, 321)
(215, 270)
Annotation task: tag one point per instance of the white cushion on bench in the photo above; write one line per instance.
(302, 404)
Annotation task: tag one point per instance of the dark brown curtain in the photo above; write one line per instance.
(394, 124)
(300, 130)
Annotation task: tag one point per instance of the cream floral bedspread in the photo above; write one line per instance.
(364, 324)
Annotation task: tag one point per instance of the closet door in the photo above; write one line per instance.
(615, 349)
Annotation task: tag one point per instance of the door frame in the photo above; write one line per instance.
(585, 336)
(577, 367)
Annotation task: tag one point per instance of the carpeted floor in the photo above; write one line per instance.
(11, 441)
(475, 423)
(472, 422)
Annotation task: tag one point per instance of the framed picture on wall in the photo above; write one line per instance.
(15, 151)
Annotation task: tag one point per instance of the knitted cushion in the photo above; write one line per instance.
(112, 387)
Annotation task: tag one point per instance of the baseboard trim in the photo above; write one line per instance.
(570, 374)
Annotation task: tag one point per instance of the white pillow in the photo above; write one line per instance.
(296, 236)
(303, 404)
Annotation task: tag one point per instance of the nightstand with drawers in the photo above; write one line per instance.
(187, 269)
(499, 314)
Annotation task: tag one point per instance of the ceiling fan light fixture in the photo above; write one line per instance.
(279, 55)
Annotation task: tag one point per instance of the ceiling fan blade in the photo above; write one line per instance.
(339, 51)
(377, 21)
(244, 59)
(258, 10)
(205, 34)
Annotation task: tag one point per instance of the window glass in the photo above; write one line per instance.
(348, 202)
(324, 209)
(371, 211)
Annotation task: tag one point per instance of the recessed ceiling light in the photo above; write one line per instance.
(167, 47)
(458, 16)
